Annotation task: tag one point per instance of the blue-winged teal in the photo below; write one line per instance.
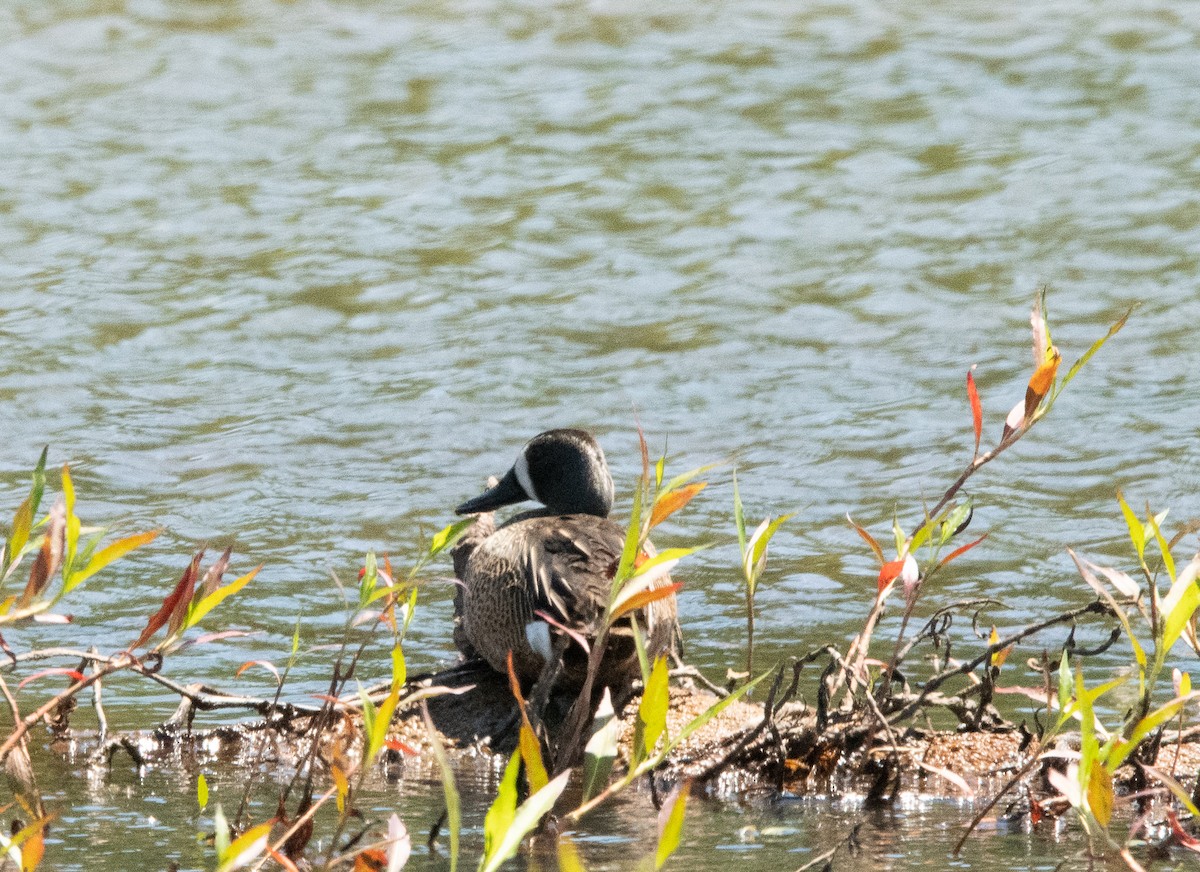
(559, 560)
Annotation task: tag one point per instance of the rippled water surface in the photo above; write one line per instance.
(298, 276)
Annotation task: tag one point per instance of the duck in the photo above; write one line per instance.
(557, 561)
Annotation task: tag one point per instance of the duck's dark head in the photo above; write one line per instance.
(564, 470)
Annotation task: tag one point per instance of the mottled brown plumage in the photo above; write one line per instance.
(554, 562)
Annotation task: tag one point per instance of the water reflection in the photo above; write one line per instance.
(293, 275)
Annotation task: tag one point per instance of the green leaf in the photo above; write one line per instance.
(449, 789)
(1137, 533)
(112, 551)
(1064, 682)
(652, 710)
(601, 748)
(198, 609)
(73, 525)
(448, 536)
(527, 817)
(499, 817)
(23, 519)
(1077, 365)
(672, 827)
(683, 478)
(1180, 604)
(898, 534)
(399, 667)
(1144, 728)
(1155, 524)
(757, 548)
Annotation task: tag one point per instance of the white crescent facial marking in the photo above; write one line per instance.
(537, 633)
(521, 468)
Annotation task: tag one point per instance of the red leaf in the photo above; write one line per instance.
(958, 552)
(70, 673)
(180, 596)
(1180, 836)
(397, 745)
(976, 407)
(889, 572)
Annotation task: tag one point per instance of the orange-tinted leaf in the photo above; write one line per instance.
(70, 673)
(49, 558)
(1100, 793)
(175, 603)
(673, 501)
(527, 740)
(961, 550)
(370, 860)
(1041, 380)
(282, 860)
(867, 537)
(32, 851)
(640, 600)
(265, 664)
(976, 407)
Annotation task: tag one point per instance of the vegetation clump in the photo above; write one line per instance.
(873, 715)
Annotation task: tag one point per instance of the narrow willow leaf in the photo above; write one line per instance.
(1155, 524)
(246, 848)
(73, 525)
(111, 552)
(671, 822)
(976, 408)
(1077, 365)
(1137, 532)
(1064, 682)
(866, 537)
(601, 748)
(652, 710)
(684, 477)
(449, 789)
(1144, 728)
(202, 791)
(221, 835)
(1100, 794)
(1179, 605)
(448, 535)
(568, 856)
(206, 604)
(527, 817)
(500, 814)
(898, 535)
(672, 501)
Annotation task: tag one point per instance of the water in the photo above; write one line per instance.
(299, 276)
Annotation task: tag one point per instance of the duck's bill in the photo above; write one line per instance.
(507, 492)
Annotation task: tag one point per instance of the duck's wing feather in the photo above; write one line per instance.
(570, 567)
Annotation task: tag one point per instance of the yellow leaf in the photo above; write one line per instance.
(1100, 794)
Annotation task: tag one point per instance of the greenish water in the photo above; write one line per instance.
(299, 276)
